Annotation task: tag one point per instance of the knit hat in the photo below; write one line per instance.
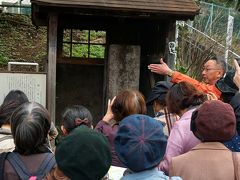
(214, 121)
(84, 154)
(159, 92)
(140, 143)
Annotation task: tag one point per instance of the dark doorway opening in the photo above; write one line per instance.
(81, 85)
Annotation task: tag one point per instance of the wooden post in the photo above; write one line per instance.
(170, 38)
(52, 61)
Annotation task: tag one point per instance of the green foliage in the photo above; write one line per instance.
(80, 50)
(182, 69)
(3, 58)
(3, 53)
(20, 40)
(82, 45)
(97, 51)
(97, 35)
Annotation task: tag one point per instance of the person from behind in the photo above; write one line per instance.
(182, 99)
(140, 145)
(13, 100)
(213, 123)
(157, 98)
(127, 102)
(74, 116)
(16, 95)
(30, 124)
(212, 70)
(83, 154)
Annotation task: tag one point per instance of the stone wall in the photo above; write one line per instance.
(123, 68)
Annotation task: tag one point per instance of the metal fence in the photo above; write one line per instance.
(206, 36)
(15, 8)
(213, 21)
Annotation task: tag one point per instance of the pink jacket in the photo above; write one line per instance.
(181, 140)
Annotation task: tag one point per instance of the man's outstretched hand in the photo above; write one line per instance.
(161, 68)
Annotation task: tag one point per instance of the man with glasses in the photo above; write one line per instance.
(212, 70)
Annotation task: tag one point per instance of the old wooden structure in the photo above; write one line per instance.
(137, 32)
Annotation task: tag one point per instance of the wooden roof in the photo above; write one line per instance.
(181, 9)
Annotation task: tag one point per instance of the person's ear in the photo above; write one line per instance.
(220, 74)
(64, 131)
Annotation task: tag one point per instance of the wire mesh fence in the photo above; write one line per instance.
(213, 21)
(15, 8)
(207, 36)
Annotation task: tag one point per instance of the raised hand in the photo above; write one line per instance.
(109, 114)
(161, 68)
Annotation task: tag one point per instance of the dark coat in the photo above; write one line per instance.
(234, 143)
(235, 103)
(110, 132)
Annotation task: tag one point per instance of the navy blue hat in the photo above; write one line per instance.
(159, 92)
(140, 142)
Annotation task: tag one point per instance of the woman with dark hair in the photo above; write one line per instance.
(182, 100)
(157, 98)
(30, 124)
(15, 95)
(126, 103)
(83, 154)
(74, 116)
(76, 125)
(12, 101)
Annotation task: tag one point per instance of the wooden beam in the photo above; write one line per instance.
(52, 61)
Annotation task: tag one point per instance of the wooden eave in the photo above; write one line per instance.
(151, 9)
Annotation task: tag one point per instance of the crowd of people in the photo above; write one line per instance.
(193, 135)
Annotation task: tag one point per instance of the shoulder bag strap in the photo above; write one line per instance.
(235, 164)
(168, 120)
(18, 165)
(47, 164)
(3, 156)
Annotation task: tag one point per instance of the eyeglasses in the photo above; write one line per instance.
(208, 69)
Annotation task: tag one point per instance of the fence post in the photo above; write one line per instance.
(229, 35)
